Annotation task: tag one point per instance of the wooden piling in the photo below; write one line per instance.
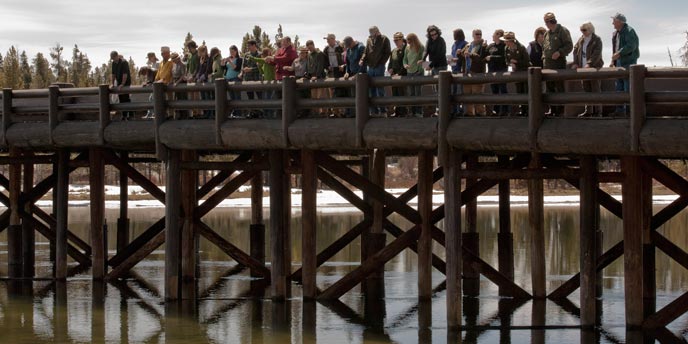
(28, 232)
(257, 226)
(634, 222)
(61, 207)
(505, 238)
(425, 165)
(172, 225)
(280, 211)
(471, 238)
(537, 232)
(309, 184)
(14, 231)
(123, 220)
(452, 228)
(97, 194)
(375, 239)
(189, 185)
(588, 238)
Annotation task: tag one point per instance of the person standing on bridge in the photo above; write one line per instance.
(377, 51)
(556, 46)
(121, 77)
(435, 50)
(335, 68)
(587, 53)
(474, 55)
(164, 74)
(625, 53)
(518, 58)
(396, 68)
(457, 66)
(413, 62)
(354, 52)
(496, 63)
(535, 47)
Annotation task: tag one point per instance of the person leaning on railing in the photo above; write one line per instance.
(121, 78)
(316, 71)
(497, 63)
(179, 79)
(535, 47)
(518, 58)
(251, 72)
(555, 48)
(205, 68)
(413, 62)
(267, 73)
(396, 68)
(335, 66)
(625, 53)
(587, 53)
(457, 67)
(474, 58)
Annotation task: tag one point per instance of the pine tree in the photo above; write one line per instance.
(59, 65)
(25, 68)
(132, 72)
(42, 75)
(1, 62)
(187, 39)
(684, 52)
(11, 71)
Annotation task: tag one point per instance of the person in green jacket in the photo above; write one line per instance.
(518, 58)
(267, 72)
(413, 62)
(625, 52)
(557, 45)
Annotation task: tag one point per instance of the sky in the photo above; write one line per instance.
(134, 27)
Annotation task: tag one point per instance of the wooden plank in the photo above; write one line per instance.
(452, 229)
(638, 109)
(309, 185)
(377, 177)
(214, 182)
(257, 193)
(97, 210)
(51, 221)
(425, 164)
(135, 176)
(605, 200)
(358, 181)
(279, 225)
(588, 236)
(234, 252)
(28, 232)
(343, 191)
(668, 314)
(172, 226)
(62, 206)
(670, 249)
(505, 240)
(668, 212)
(536, 219)
(437, 262)
(123, 220)
(376, 260)
(493, 275)
(632, 193)
(138, 243)
(123, 268)
(189, 238)
(14, 232)
(665, 175)
(220, 195)
(471, 238)
(47, 232)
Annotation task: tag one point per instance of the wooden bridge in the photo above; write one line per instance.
(74, 127)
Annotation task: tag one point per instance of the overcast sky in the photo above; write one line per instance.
(134, 27)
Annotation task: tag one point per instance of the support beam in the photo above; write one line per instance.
(425, 164)
(537, 232)
(588, 236)
(309, 185)
(61, 206)
(257, 225)
(471, 239)
(189, 237)
(505, 238)
(14, 232)
(172, 226)
(123, 220)
(28, 232)
(97, 208)
(374, 240)
(232, 251)
(280, 204)
(452, 228)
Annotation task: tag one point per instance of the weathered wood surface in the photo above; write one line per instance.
(252, 134)
(323, 133)
(489, 134)
(574, 136)
(401, 133)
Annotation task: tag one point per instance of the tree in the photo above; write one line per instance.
(25, 69)
(132, 72)
(684, 52)
(42, 75)
(261, 37)
(187, 39)
(59, 65)
(11, 71)
(1, 61)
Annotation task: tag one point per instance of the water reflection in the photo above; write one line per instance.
(231, 307)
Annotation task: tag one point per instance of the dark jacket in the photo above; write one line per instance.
(377, 51)
(353, 56)
(254, 73)
(535, 52)
(628, 46)
(436, 50)
(497, 62)
(339, 51)
(558, 40)
(520, 55)
(475, 63)
(204, 70)
(316, 65)
(396, 61)
(593, 54)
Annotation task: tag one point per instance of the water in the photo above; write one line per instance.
(133, 311)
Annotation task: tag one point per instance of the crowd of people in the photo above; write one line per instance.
(404, 55)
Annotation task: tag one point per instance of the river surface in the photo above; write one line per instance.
(133, 311)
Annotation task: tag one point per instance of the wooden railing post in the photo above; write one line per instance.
(444, 100)
(535, 106)
(160, 109)
(53, 110)
(362, 106)
(220, 108)
(104, 111)
(6, 112)
(288, 107)
(638, 108)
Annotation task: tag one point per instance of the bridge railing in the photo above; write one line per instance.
(60, 104)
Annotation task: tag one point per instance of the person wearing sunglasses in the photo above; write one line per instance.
(556, 46)
(587, 53)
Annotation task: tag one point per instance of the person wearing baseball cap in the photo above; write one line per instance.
(625, 52)
(555, 48)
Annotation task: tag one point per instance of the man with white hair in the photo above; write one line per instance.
(625, 52)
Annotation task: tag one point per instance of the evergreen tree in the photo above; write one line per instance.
(1, 61)
(25, 68)
(187, 39)
(132, 72)
(42, 75)
(11, 70)
(59, 65)
(261, 37)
